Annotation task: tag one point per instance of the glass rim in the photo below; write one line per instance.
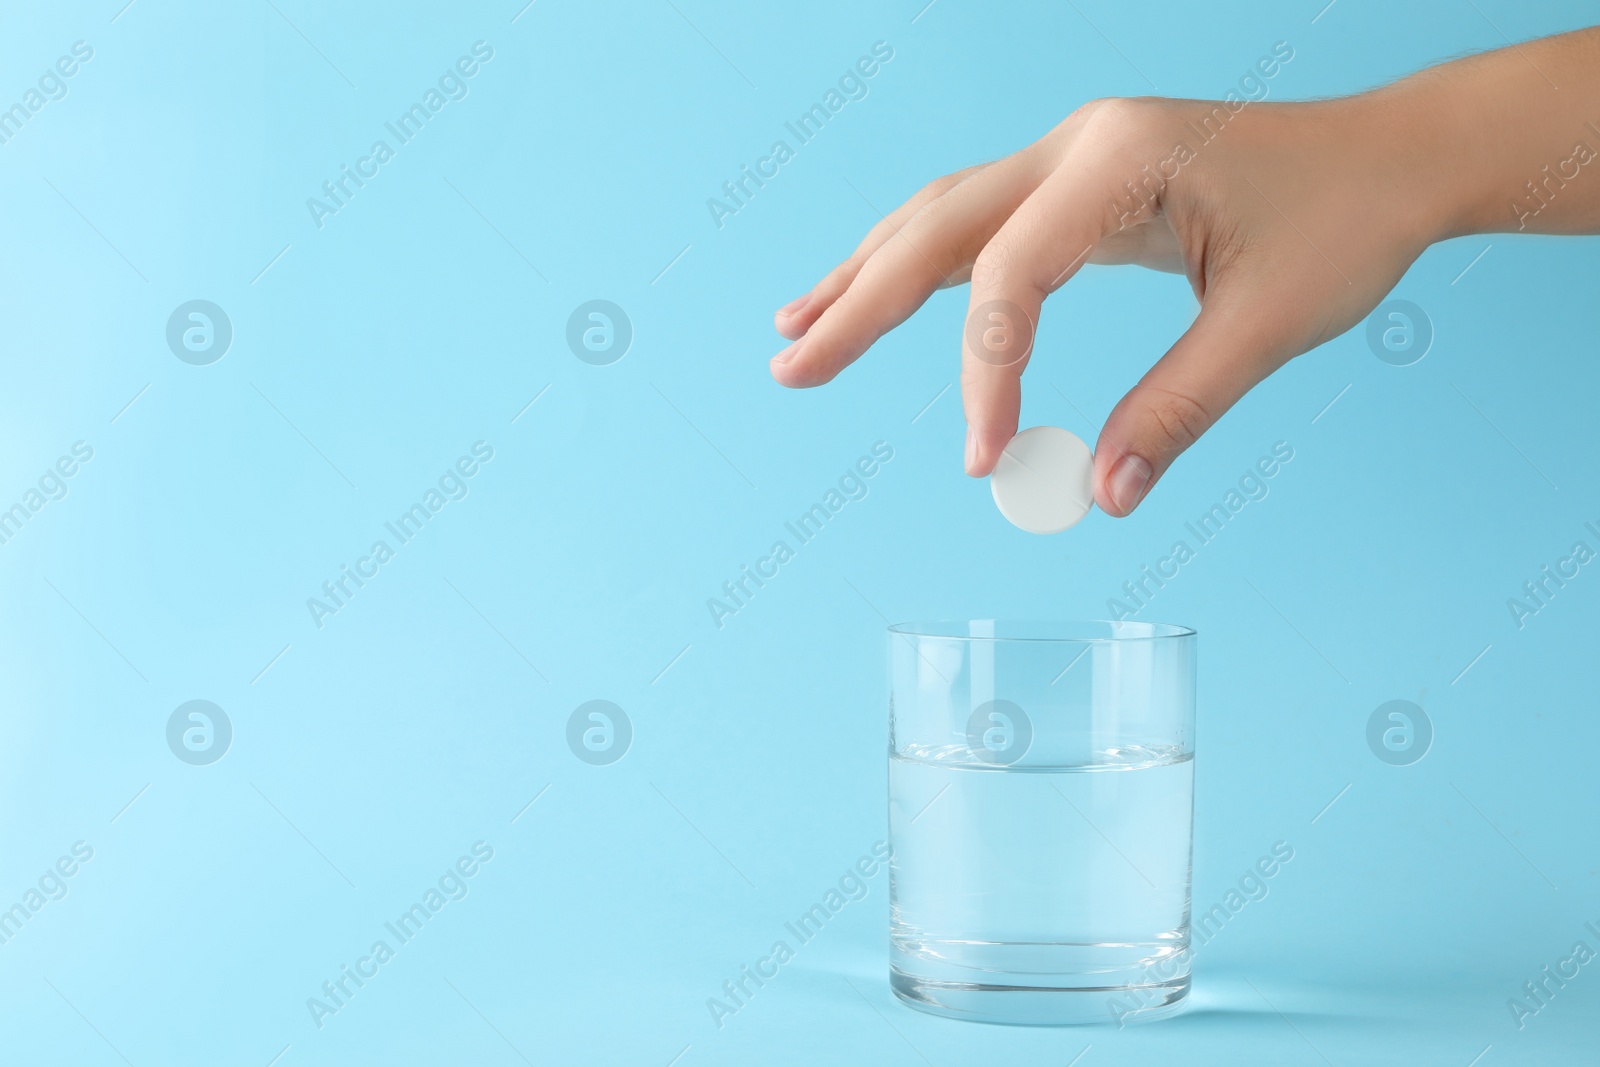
(1064, 631)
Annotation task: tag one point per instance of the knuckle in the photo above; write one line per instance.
(838, 280)
(933, 193)
(983, 372)
(993, 265)
(1083, 111)
(939, 186)
(930, 216)
(1121, 121)
(1179, 418)
(900, 268)
(983, 382)
(938, 241)
(928, 192)
(1113, 112)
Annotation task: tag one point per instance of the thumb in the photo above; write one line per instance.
(1228, 350)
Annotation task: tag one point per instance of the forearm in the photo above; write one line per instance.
(1506, 141)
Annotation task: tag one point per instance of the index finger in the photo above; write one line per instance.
(1045, 242)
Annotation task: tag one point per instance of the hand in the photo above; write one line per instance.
(1291, 221)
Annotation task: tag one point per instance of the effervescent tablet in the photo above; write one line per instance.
(1044, 482)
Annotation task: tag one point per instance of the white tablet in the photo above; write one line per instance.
(1044, 482)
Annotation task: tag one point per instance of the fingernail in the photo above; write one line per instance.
(972, 450)
(793, 306)
(1129, 480)
(787, 354)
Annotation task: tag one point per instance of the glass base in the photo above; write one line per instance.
(1039, 1005)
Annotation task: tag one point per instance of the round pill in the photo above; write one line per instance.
(1044, 481)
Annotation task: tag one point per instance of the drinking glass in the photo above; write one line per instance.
(1041, 787)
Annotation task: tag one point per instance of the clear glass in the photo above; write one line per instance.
(1041, 791)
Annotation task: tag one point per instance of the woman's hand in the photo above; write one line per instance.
(1291, 221)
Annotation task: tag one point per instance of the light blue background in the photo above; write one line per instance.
(368, 355)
